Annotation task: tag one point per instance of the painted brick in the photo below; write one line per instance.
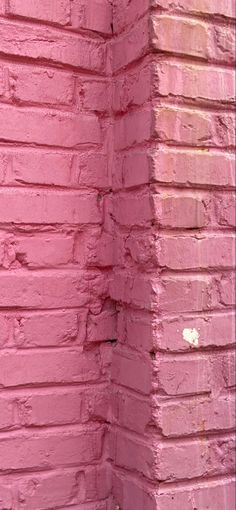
(191, 37)
(131, 46)
(132, 129)
(132, 88)
(197, 416)
(44, 251)
(43, 11)
(213, 331)
(43, 43)
(126, 13)
(74, 452)
(182, 377)
(200, 167)
(95, 15)
(47, 368)
(211, 496)
(132, 373)
(94, 95)
(46, 289)
(194, 82)
(193, 252)
(177, 126)
(45, 207)
(180, 211)
(197, 7)
(48, 329)
(41, 86)
(48, 128)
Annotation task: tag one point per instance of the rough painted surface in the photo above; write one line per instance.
(172, 439)
(56, 316)
(117, 215)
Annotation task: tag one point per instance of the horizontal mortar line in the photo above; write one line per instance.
(76, 349)
(9, 473)
(217, 270)
(176, 103)
(174, 440)
(80, 146)
(12, 63)
(193, 59)
(65, 428)
(166, 486)
(37, 391)
(21, 105)
(26, 433)
(28, 108)
(52, 385)
(24, 186)
(151, 186)
(54, 28)
(206, 18)
(155, 143)
(191, 355)
(176, 58)
(57, 470)
(18, 147)
(165, 401)
(51, 64)
(195, 483)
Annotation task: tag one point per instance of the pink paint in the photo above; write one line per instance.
(117, 255)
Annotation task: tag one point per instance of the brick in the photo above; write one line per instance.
(47, 490)
(102, 327)
(183, 376)
(209, 496)
(6, 416)
(134, 373)
(92, 170)
(192, 128)
(93, 248)
(183, 211)
(94, 95)
(134, 455)
(43, 11)
(44, 251)
(43, 289)
(6, 490)
(130, 412)
(193, 252)
(49, 409)
(39, 86)
(131, 46)
(201, 167)
(222, 47)
(43, 43)
(5, 328)
(194, 82)
(132, 88)
(126, 13)
(226, 285)
(34, 167)
(185, 294)
(75, 450)
(2, 78)
(131, 169)
(196, 416)
(48, 329)
(191, 37)
(196, 459)
(132, 129)
(128, 492)
(140, 291)
(133, 209)
(225, 210)
(213, 331)
(46, 207)
(48, 128)
(27, 368)
(200, 8)
(94, 15)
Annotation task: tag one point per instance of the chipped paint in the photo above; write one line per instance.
(191, 336)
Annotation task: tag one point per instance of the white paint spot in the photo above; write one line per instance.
(191, 336)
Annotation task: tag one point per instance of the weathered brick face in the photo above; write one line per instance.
(117, 254)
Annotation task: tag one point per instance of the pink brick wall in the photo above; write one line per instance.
(56, 316)
(172, 435)
(117, 223)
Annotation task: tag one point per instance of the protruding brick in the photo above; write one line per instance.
(45, 10)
